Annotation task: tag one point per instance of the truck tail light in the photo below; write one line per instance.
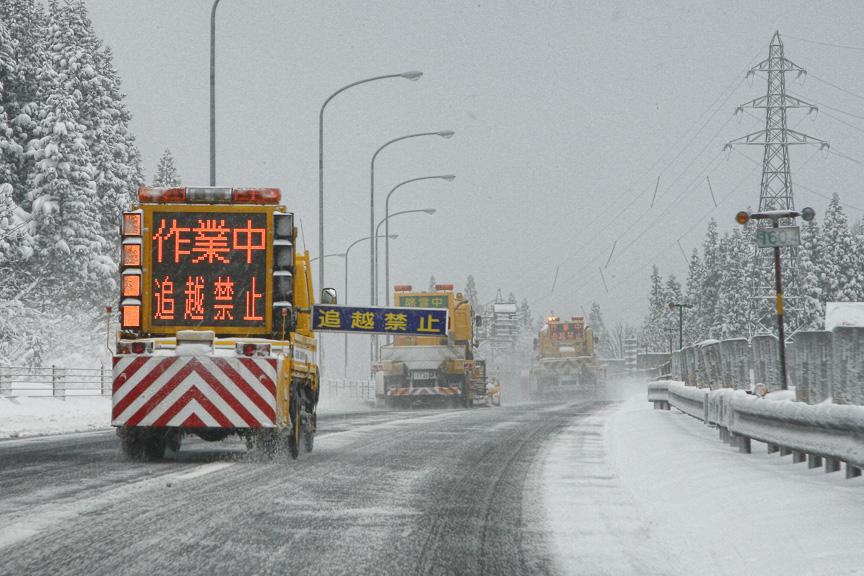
(251, 349)
(402, 288)
(443, 287)
(139, 347)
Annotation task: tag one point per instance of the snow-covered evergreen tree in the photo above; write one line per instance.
(432, 284)
(700, 322)
(167, 176)
(85, 68)
(526, 318)
(735, 293)
(841, 260)
(810, 259)
(704, 310)
(23, 56)
(603, 347)
(658, 307)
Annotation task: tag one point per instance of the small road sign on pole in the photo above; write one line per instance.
(779, 237)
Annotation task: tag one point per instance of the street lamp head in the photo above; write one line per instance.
(428, 210)
(807, 214)
(445, 133)
(413, 75)
(393, 236)
(449, 177)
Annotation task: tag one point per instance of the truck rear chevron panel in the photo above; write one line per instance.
(194, 391)
(425, 391)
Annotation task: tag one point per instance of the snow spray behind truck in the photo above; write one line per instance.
(421, 369)
(216, 334)
(566, 364)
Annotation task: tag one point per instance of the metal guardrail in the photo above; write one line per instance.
(18, 381)
(828, 434)
(352, 389)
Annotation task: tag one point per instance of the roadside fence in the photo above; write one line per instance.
(734, 385)
(363, 390)
(19, 381)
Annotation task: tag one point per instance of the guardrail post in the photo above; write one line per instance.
(5, 384)
(798, 456)
(785, 451)
(852, 471)
(772, 448)
(832, 465)
(58, 382)
(814, 461)
(744, 444)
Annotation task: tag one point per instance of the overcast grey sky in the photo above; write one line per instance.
(565, 115)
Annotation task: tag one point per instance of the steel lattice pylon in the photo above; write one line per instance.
(776, 189)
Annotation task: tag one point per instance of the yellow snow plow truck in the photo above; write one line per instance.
(216, 337)
(432, 369)
(566, 364)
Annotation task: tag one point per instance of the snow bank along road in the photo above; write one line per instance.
(593, 488)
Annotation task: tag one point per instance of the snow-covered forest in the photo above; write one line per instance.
(719, 285)
(68, 168)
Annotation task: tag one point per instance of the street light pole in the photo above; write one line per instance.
(345, 296)
(386, 236)
(213, 94)
(327, 256)
(444, 134)
(414, 75)
(448, 178)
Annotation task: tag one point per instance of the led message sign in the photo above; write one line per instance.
(566, 332)
(208, 268)
(422, 300)
(376, 320)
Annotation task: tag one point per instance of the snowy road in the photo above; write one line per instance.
(594, 488)
(425, 492)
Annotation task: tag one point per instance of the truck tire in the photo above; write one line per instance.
(130, 443)
(154, 446)
(294, 432)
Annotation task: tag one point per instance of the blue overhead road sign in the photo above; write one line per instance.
(378, 320)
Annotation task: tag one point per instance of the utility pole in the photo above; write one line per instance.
(680, 306)
(776, 188)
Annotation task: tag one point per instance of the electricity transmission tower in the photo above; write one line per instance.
(776, 189)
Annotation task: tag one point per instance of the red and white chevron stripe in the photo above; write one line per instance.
(194, 391)
(425, 391)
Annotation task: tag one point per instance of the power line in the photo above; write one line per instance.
(856, 48)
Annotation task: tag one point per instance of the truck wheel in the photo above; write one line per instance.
(172, 440)
(130, 443)
(467, 401)
(294, 436)
(309, 433)
(154, 446)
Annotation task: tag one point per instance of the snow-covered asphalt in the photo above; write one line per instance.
(609, 487)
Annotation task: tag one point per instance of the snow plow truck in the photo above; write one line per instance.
(566, 364)
(215, 323)
(417, 369)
